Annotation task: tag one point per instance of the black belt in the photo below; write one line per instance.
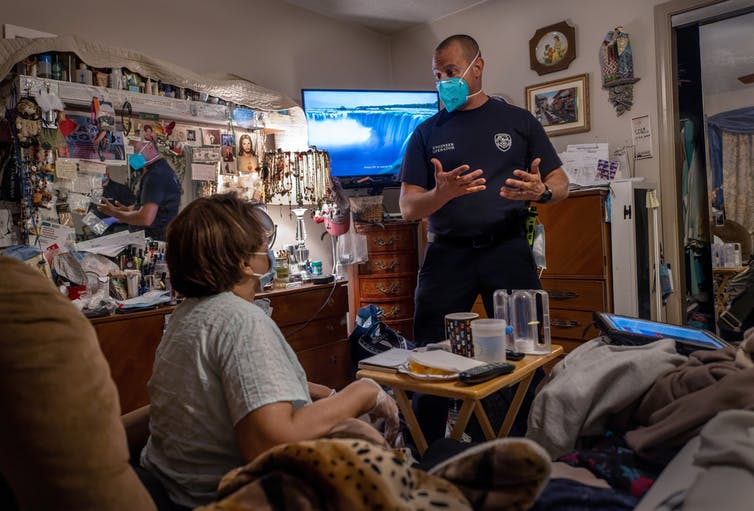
(480, 241)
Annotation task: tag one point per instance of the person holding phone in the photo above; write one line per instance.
(158, 195)
(472, 169)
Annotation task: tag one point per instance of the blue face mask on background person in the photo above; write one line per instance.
(454, 92)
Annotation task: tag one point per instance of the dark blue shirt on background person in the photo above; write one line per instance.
(159, 185)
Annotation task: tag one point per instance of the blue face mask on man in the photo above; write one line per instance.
(454, 92)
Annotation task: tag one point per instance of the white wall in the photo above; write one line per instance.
(276, 45)
(503, 29)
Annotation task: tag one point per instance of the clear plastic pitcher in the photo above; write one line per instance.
(527, 312)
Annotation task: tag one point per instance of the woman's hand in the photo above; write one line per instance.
(317, 391)
(384, 408)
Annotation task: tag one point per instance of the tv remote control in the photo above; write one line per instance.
(486, 372)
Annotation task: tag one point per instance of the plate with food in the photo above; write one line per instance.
(423, 372)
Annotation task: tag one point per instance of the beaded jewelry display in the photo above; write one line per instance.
(304, 177)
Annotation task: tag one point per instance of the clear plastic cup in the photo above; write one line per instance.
(488, 336)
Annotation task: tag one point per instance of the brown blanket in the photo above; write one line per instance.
(681, 402)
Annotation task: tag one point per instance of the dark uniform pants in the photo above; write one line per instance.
(451, 277)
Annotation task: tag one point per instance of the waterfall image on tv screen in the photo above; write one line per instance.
(365, 132)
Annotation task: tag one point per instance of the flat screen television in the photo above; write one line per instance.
(365, 132)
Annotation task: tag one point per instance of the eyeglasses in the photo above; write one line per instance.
(257, 260)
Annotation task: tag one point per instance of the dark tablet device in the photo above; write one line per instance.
(636, 331)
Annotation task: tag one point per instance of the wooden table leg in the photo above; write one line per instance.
(413, 424)
(462, 419)
(513, 409)
(484, 421)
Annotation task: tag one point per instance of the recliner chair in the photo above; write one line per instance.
(62, 443)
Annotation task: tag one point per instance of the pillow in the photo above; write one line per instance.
(62, 443)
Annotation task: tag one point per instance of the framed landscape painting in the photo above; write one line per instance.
(561, 106)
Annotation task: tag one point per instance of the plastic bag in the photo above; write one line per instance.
(352, 248)
(371, 336)
(538, 247)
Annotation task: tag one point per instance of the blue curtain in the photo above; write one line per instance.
(739, 121)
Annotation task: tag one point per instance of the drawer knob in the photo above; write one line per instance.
(393, 289)
(394, 311)
(386, 267)
(564, 323)
(386, 243)
(563, 295)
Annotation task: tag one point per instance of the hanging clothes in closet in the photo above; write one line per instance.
(695, 231)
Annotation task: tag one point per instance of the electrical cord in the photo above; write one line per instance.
(314, 316)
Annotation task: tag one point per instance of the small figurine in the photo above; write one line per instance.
(28, 122)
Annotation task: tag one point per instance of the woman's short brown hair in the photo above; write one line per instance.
(207, 241)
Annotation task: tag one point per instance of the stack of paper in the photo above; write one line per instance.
(580, 163)
(388, 361)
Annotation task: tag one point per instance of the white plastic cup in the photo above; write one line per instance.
(132, 282)
(488, 336)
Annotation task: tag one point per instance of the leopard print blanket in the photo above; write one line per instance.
(355, 474)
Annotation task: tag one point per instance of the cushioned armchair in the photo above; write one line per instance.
(62, 443)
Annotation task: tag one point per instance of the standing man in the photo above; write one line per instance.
(472, 170)
(158, 196)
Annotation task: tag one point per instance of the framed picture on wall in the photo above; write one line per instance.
(552, 48)
(210, 136)
(561, 106)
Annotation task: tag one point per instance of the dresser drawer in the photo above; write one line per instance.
(320, 301)
(571, 323)
(328, 365)
(387, 287)
(404, 327)
(382, 263)
(392, 240)
(303, 336)
(396, 309)
(585, 295)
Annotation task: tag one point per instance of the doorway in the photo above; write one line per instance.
(703, 50)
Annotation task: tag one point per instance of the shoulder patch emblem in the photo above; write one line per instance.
(503, 141)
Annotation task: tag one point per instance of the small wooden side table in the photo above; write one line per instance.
(470, 395)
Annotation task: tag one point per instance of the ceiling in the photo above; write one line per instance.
(386, 16)
(727, 52)
(727, 47)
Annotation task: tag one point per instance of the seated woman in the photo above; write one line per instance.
(226, 386)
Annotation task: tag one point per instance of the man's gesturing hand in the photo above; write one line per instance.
(528, 186)
(455, 183)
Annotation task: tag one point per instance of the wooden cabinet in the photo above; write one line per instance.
(578, 275)
(388, 278)
(128, 342)
(312, 319)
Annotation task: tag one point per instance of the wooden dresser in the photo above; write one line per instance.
(388, 278)
(578, 275)
(312, 319)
